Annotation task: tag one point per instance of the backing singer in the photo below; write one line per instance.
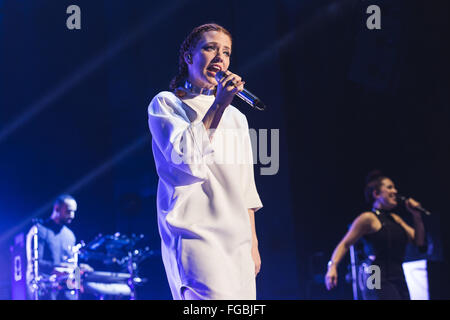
(387, 234)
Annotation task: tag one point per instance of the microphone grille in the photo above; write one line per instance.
(220, 75)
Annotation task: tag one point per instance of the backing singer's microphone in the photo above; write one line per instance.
(419, 208)
(245, 95)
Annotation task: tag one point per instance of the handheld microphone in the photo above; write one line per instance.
(245, 95)
(419, 208)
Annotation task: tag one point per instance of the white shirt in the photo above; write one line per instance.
(206, 184)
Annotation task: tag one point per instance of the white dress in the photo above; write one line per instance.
(205, 188)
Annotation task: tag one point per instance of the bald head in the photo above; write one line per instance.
(64, 209)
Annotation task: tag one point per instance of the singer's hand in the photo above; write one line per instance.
(331, 278)
(225, 93)
(411, 205)
(256, 259)
(224, 96)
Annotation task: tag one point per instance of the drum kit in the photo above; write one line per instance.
(118, 256)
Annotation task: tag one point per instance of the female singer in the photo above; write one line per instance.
(387, 234)
(205, 205)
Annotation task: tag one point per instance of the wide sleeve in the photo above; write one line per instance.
(251, 196)
(181, 144)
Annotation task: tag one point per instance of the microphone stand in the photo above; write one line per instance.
(354, 273)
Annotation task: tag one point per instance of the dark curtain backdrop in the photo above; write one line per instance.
(345, 100)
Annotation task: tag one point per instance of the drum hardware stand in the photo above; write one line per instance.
(132, 271)
(75, 273)
(132, 267)
(35, 283)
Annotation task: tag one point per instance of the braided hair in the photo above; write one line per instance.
(188, 44)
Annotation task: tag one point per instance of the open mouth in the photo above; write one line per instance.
(214, 68)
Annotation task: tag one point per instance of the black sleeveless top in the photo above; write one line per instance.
(388, 245)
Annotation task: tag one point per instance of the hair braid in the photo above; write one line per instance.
(188, 44)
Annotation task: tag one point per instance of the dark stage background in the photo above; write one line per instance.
(345, 99)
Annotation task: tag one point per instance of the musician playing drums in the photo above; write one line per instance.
(51, 254)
